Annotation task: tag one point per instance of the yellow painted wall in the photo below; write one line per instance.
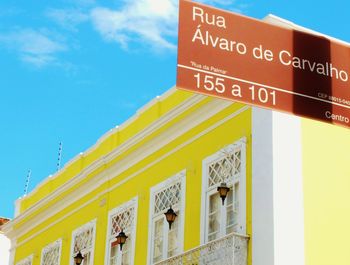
(92, 206)
(326, 171)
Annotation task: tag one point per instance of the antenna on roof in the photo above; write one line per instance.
(59, 156)
(27, 182)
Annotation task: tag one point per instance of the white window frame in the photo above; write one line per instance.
(241, 143)
(26, 261)
(77, 231)
(179, 177)
(132, 203)
(50, 246)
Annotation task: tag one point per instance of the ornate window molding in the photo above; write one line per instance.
(51, 254)
(227, 165)
(83, 240)
(164, 243)
(26, 261)
(122, 218)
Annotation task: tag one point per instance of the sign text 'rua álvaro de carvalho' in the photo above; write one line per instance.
(243, 59)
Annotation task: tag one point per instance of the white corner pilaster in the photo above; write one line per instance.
(288, 190)
(277, 193)
(262, 188)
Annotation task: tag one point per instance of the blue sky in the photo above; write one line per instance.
(70, 70)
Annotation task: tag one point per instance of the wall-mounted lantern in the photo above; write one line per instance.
(121, 238)
(170, 216)
(223, 190)
(78, 259)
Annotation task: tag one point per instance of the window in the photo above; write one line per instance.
(83, 240)
(51, 253)
(122, 218)
(227, 165)
(26, 261)
(165, 243)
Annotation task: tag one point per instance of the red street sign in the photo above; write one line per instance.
(234, 57)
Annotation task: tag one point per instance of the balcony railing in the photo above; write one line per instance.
(229, 250)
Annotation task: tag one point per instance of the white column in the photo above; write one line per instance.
(288, 190)
(277, 193)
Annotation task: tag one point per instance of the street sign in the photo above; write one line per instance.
(238, 58)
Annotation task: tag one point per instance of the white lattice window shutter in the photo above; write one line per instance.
(226, 168)
(170, 196)
(51, 254)
(122, 221)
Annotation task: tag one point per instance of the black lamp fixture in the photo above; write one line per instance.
(78, 259)
(170, 216)
(121, 238)
(223, 190)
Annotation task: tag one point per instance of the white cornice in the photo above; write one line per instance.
(153, 145)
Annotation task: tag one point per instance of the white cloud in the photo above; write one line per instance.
(152, 21)
(67, 18)
(35, 47)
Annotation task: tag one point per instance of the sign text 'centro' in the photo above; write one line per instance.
(234, 57)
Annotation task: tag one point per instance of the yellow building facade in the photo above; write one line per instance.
(175, 152)
(288, 202)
